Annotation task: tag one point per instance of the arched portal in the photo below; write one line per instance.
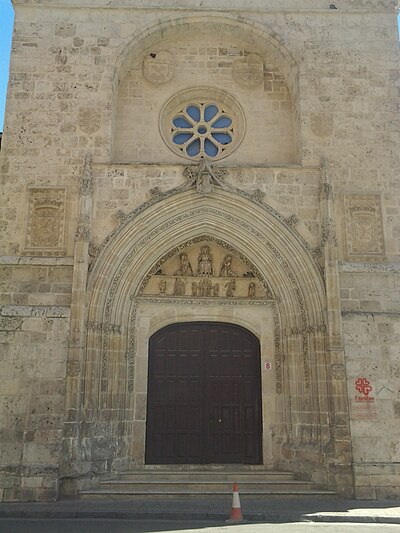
(204, 395)
(141, 282)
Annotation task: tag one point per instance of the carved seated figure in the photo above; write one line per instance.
(185, 268)
(205, 266)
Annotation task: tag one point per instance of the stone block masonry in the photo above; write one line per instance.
(100, 192)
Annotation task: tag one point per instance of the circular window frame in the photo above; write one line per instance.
(202, 96)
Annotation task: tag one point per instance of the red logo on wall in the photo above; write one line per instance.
(364, 387)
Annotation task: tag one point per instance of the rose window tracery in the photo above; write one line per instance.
(202, 123)
(202, 129)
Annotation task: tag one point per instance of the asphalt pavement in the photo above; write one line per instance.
(269, 510)
(150, 526)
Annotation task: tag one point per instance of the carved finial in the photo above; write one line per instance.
(204, 176)
(87, 183)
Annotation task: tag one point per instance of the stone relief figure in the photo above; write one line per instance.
(205, 266)
(185, 268)
(194, 288)
(226, 269)
(163, 286)
(252, 290)
(205, 288)
(230, 287)
(179, 287)
(215, 290)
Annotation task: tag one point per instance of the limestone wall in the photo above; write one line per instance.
(33, 366)
(77, 87)
(370, 310)
(61, 102)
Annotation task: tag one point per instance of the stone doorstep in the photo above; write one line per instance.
(179, 495)
(206, 467)
(222, 476)
(201, 483)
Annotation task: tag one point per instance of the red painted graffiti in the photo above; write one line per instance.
(363, 386)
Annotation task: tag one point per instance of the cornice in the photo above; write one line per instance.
(263, 6)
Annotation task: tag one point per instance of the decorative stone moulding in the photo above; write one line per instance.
(202, 123)
(158, 67)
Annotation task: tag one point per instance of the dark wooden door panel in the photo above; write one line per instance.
(204, 397)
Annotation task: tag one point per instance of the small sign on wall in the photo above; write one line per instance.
(363, 405)
(267, 365)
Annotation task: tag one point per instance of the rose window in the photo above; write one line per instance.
(201, 130)
(202, 123)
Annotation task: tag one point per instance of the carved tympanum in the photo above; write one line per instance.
(218, 274)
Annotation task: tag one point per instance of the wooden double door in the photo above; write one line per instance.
(204, 395)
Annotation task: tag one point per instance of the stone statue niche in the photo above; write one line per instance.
(205, 269)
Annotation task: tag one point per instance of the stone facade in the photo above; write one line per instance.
(101, 197)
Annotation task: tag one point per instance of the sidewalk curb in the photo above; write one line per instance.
(216, 517)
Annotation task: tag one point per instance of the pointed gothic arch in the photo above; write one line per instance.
(118, 329)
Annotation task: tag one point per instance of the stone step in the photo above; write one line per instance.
(195, 486)
(182, 495)
(201, 481)
(201, 468)
(204, 476)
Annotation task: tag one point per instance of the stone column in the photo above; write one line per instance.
(339, 450)
(71, 456)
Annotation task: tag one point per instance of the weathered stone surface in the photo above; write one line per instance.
(95, 205)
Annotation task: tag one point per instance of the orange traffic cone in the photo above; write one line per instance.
(236, 512)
